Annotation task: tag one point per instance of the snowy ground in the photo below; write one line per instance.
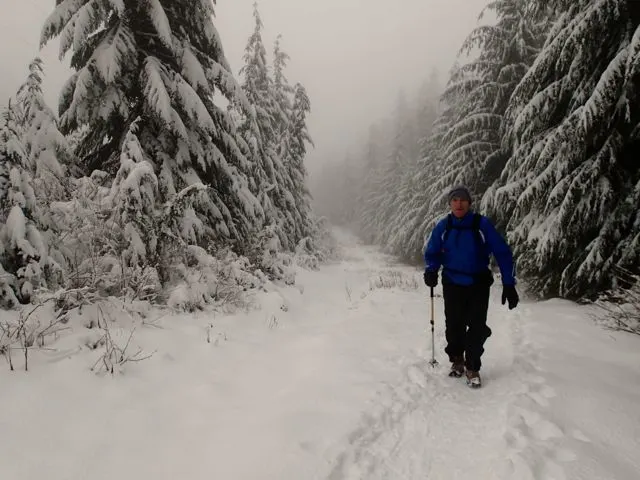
(328, 380)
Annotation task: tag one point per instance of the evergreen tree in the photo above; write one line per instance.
(282, 92)
(386, 179)
(479, 92)
(408, 238)
(298, 138)
(132, 202)
(367, 200)
(377, 156)
(33, 153)
(261, 131)
(570, 191)
(49, 157)
(290, 123)
(428, 111)
(396, 175)
(46, 148)
(336, 189)
(161, 62)
(21, 244)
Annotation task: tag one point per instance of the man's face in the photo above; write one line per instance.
(459, 207)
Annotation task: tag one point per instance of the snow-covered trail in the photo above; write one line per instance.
(423, 424)
(329, 380)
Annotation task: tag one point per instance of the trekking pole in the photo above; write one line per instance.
(433, 361)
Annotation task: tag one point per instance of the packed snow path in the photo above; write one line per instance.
(329, 380)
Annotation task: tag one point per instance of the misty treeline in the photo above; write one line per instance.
(163, 178)
(540, 119)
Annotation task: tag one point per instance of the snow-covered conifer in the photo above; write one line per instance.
(160, 61)
(570, 191)
(293, 174)
(21, 245)
(50, 159)
(264, 132)
(133, 202)
(479, 92)
(298, 140)
(408, 230)
(395, 181)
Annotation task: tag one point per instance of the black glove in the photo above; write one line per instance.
(430, 278)
(509, 293)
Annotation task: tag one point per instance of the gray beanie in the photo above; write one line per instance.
(461, 192)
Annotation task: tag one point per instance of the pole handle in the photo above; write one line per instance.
(433, 362)
(432, 309)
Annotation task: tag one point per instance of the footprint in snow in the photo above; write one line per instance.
(578, 435)
(541, 428)
(541, 394)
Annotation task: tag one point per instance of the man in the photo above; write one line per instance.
(461, 243)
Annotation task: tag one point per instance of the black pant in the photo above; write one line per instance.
(465, 309)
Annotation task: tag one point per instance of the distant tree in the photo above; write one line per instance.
(293, 106)
(298, 140)
(409, 233)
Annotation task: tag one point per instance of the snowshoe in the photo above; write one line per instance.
(457, 368)
(473, 379)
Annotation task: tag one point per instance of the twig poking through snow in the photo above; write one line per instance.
(114, 354)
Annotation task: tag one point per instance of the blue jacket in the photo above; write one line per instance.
(461, 255)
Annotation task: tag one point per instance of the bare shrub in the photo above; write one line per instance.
(393, 279)
(204, 279)
(115, 354)
(26, 333)
(619, 309)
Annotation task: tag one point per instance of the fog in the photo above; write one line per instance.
(353, 56)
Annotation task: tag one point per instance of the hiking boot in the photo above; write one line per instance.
(473, 379)
(457, 367)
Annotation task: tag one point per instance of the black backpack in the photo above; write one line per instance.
(485, 277)
(475, 226)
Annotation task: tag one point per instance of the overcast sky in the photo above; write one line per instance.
(353, 56)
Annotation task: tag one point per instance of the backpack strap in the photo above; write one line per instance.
(475, 226)
(447, 228)
(477, 231)
(475, 223)
(479, 240)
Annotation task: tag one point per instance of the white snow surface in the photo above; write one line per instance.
(329, 379)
